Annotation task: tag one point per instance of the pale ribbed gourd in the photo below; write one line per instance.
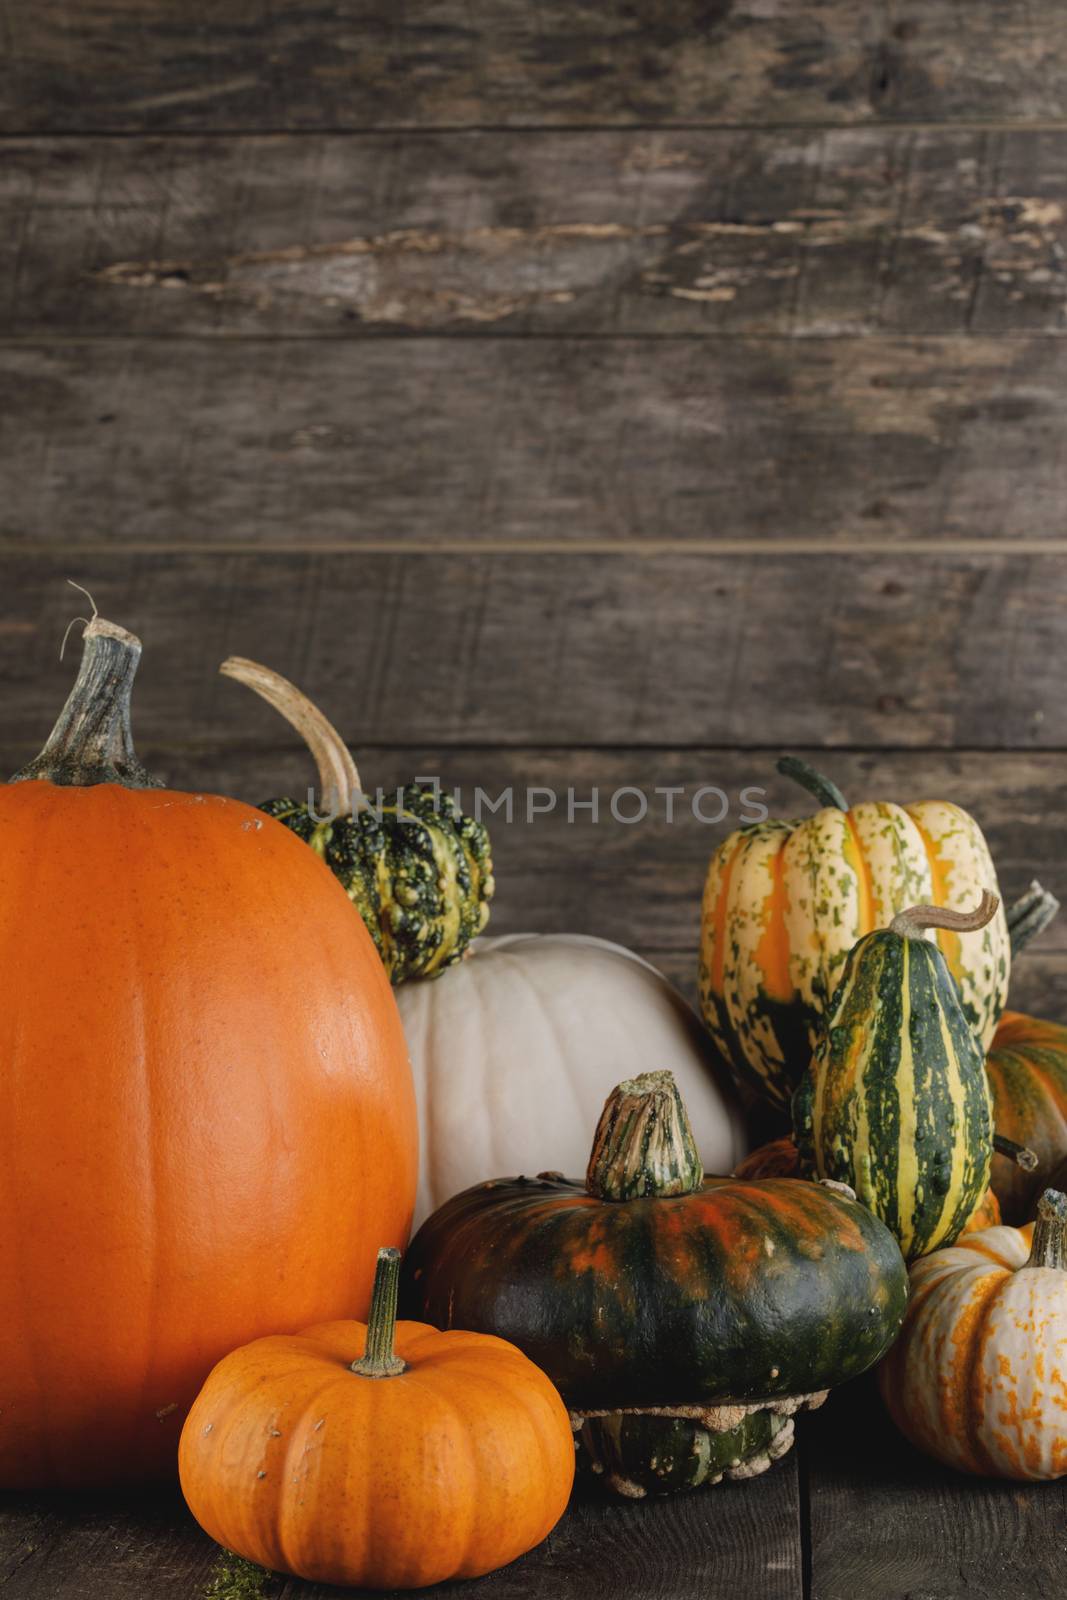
(976, 1378)
(785, 901)
(896, 1102)
(418, 871)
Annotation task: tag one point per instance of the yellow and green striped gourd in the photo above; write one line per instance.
(785, 901)
(896, 1102)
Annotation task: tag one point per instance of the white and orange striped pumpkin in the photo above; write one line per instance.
(785, 902)
(978, 1377)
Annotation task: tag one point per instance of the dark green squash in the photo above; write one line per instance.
(649, 1287)
(418, 871)
(638, 1453)
(896, 1103)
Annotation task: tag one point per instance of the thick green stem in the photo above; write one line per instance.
(92, 742)
(1029, 916)
(1049, 1247)
(643, 1145)
(912, 923)
(824, 789)
(379, 1359)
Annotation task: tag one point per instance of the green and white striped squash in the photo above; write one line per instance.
(785, 901)
(896, 1103)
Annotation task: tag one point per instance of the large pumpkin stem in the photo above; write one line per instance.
(92, 741)
(1049, 1247)
(824, 789)
(911, 923)
(379, 1359)
(643, 1144)
(1029, 916)
(339, 785)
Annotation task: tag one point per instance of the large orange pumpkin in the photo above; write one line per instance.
(205, 1101)
(390, 1457)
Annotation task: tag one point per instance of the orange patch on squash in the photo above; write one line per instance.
(772, 951)
(718, 962)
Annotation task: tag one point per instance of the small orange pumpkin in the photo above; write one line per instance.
(976, 1377)
(433, 1456)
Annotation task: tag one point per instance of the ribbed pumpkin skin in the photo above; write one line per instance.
(449, 1470)
(1027, 1070)
(785, 902)
(206, 1110)
(976, 1378)
(897, 1096)
(740, 1291)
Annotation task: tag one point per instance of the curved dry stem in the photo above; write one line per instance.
(339, 785)
(913, 922)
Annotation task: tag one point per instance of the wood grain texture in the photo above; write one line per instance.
(639, 883)
(421, 441)
(741, 1539)
(108, 1547)
(670, 651)
(845, 231)
(886, 1522)
(237, 64)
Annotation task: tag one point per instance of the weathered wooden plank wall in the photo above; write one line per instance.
(609, 390)
(577, 395)
(300, 64)
(827, 231)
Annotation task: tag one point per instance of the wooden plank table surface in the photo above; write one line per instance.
(581, 396)
(851, 1512)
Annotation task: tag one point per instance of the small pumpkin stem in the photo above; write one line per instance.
(339, 785)
(824, 789)
(92, 741)
(1021, 1154)
(910, 924)
(379, 1359)
(1049, 1247)
(644, 1143)
(1029, 916)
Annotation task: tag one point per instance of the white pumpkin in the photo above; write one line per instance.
(516, 1049)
